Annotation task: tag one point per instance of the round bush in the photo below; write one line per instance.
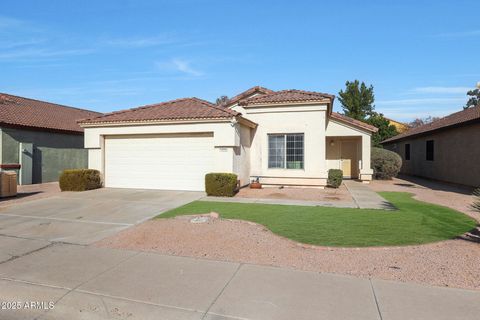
(335, 177)
(80, 180)
(386, 164)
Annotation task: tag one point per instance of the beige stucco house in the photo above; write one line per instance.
(447, 149)
(288, 137)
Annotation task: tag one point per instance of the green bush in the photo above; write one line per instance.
(386, 164)
(335, 177)
(80, 180)
(221, 184)
(476, 203)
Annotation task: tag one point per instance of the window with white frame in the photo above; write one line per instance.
(286, 151)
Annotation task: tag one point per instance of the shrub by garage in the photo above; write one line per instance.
(80, 180)
(221, 184)
(386, 164)
(335, 177)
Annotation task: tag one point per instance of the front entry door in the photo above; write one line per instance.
(349, 159)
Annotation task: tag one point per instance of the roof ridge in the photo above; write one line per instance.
(242, 95)
(142, 107)
(304, 91)
(52, 103)
(443, 122)
(202, 102)
(211, 105)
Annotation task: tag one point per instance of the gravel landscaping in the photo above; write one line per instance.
(296, 193)
(452, 263)
(448, 195)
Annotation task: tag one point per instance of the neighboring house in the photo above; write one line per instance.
(287, 137)
(39, 139)
(447, 149)
(400, 126)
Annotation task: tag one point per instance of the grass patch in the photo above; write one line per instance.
(414, 222)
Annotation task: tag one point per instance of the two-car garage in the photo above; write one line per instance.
(167, 146)
(167, 161)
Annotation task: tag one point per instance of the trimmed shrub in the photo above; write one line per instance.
(221, 184)
(80, 180)
(476, 202)
(335, 177)
(386, 164)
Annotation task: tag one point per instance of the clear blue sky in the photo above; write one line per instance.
(421, 56)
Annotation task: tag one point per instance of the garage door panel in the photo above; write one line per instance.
(158, 162)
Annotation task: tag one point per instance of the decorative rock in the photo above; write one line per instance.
(199, 220)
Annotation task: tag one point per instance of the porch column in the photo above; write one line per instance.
(366, 171)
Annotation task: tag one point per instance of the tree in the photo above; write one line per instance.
(357, 100)
(474, 99)
(385, 129)
(421, 121)
(222, 101)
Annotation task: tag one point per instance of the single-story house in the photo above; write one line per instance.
(39, 139)
(288, 137)
(447, 149)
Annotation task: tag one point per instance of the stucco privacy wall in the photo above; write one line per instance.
(226, 139)
(456, 155)
(52, 152)
(308, 119)
(338, 129)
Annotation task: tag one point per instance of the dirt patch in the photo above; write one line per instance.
(451, 263)
(295, 193)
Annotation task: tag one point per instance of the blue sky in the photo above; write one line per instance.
(421, 56)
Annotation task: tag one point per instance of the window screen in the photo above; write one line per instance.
(286, 151)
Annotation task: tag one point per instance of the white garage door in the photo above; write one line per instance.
(170, 162)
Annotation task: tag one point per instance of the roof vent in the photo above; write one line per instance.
(4, 99)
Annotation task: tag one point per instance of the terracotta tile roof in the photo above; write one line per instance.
(180, 109)
(247, 94)
(287, 96)
(353, 122)
(29, 113)
(456, 118)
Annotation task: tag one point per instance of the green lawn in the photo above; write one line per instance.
(414, 222)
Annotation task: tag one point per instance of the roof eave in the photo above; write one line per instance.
(44, 129)
(86, 124)
(354, 125)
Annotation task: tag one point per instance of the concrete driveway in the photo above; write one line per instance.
(85, 217)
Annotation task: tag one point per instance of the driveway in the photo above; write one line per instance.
(84, 217)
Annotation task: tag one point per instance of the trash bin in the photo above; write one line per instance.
(8, 184)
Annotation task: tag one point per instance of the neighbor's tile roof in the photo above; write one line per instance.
(287, 96)
(35, 114)
(456, 118)
(354, 122)
(247, 93)
(180, 109)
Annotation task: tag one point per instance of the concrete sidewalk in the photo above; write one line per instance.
(289, 202)
(366, 198)
(86, 282)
